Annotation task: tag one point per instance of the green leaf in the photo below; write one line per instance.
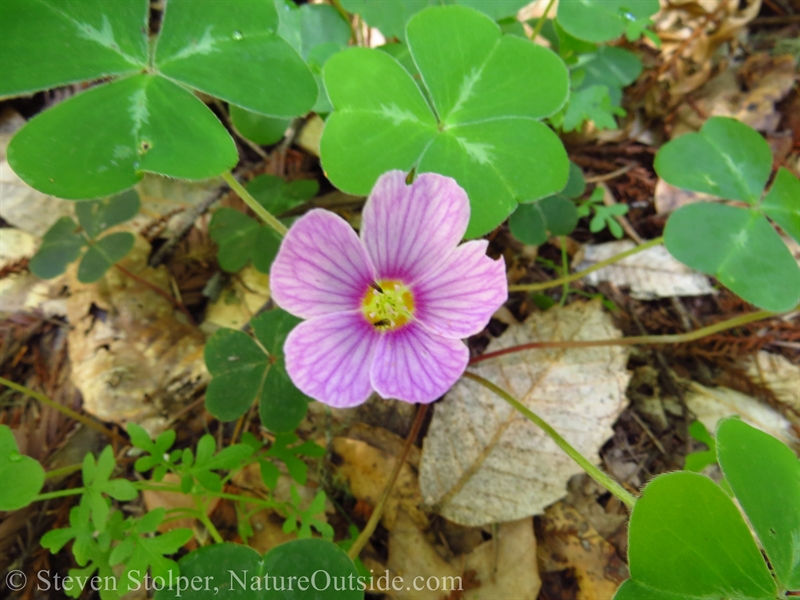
(242, 239)
(22, 476)
(258, 128)
(612, 67)
(391, 16)
(150, 553)
(282, 406)
(740, 248)
(61, 245)
(488, 96)
(277, 196)
(765, 476)
(689, 541)
(591, 104)
(238, 573)
(103, 254)
(99, 38)
(782, 204)
(725, 158)
(602, 20)
(697, 461)
(242, 373)
(99, 215)
(140, 124)
(283, 450)
(231, 50)
(531, 223)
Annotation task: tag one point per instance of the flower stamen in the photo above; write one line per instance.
(388, 305)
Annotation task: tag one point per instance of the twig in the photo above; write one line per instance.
(610, 176)
(364, 536)
(636, 340)
(88, 421)
(609, 200)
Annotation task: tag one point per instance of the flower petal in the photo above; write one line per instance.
(415, 365)
(329, 358)
(458, 299)
(409, 230)
(321, 267)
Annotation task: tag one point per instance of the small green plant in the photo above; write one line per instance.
(67, 241)
(603, 216)
(735, 243)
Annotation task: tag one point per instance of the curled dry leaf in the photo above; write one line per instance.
(710, 405)
(134, 356)
(482, 461)
(773, 371)
(651, 274)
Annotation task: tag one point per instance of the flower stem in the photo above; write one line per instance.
(542, 19)
(68, 470)
(535, 287)
(680, 338)
(364, 536)
(600, 477)
(254, 205)
(88, 421)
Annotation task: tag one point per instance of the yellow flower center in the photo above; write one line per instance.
(388, 305)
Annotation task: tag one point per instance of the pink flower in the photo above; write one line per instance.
(386, 312)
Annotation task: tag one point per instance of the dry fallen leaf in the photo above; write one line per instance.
(669, 198)
(134, 356)
(366, 470)
(778, 374)
(710, 405)
(482, 461)
(570, 542)
(650, 274)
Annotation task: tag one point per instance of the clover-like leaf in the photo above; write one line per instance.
(735, 244)
(244, 371)
(234, 567)
(391, 16)
(103, 38)
(22, 476)
(754, 462)
(142, 123)
(258, 128)
(555, 215)
(103, 254)
(99, 215)
(232, 50)
(603, 20)
(61, 245)
(782, 204)
(487, 93)
(241, 239)
(689, 541)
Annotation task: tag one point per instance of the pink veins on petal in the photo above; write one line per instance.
(386, 312)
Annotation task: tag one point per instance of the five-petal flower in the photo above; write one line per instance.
(386, 312)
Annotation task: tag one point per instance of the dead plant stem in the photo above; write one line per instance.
(88, 421)
(364, 536)
(679, 338)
